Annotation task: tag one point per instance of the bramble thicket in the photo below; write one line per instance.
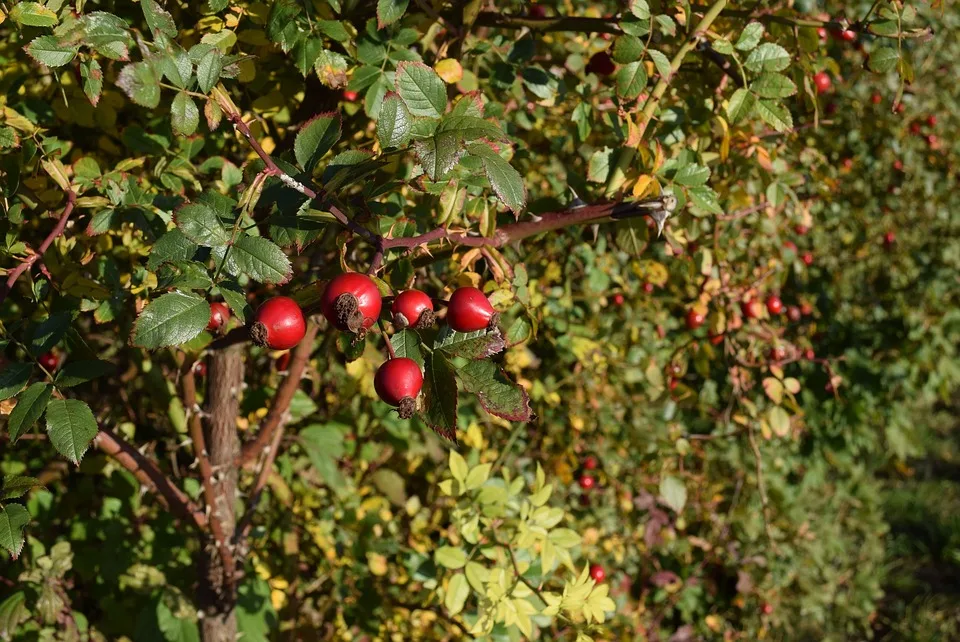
(429, 320)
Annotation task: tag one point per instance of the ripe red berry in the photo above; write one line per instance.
(889, 239)
(200, 368)
(915, 127)
(350, 96)
(847, 163)
(801, 229)
(412, 308)
(829, 388)
(49, 361)
(538, 11)
(767, 608)
(790, 245)
(898, 165)
(715, 339)
(809, 354)
(618, 299)
(899, 108)
(752, 309)
(822, 32)
(695, 318)
(807, 259)
(279, 324)
(848, 35)
(674, 382)
(587, 482)
(932, 120)
(469, 310)
(351, 302)
(778, 354)
(597, 573)
(774, 304)
(793, 314)
(219, 315)
(648, 287)
(822, 82)
(876, 99)
(590, 462)
(398, 382)
(601, 64)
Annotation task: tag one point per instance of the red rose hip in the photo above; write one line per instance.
(597, 573)
(469, 310)
(351, 302)
(49, 361)
(219, 315)
(695, 318)
(412, 308)
(793, 313)
(587, 482)
(601, 64)
(398, 382)
(752, 309)
(279, 324)
(822, 82)
(774, 304)
(590, 462)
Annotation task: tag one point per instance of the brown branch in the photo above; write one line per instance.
(281, 401)
(148, 474)
(556, 23)
(270, 455)
(189, 383)
(47, 242)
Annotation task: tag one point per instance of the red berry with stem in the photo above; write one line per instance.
(695, 318)
(848, 35)
(469, 310)
(351, 302)
(350, 96)
(219, 315)
(807, 259)
(597, 573)
(587, 482)
(774, 304)
(412, 308)
(822, 82)
(398, 382)
(601, 64)
(49, 361)
(590, 462)
(793, 314)
(279, 324)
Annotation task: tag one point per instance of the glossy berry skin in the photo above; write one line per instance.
(601, 64)
(469, 310)
(590, 462)
(49, 361)
(351, 302)
(412, 308)
(793, 314)
(597, 573)
(695, 319)
(774, 304)
(398, 382)
(219, 315)
(807, 259)
(587, 482)
(809, 354)
(618, 299)
(350, 96)
(821, 80)
(200, 368)
(752, 309)
(278, 324)
(889, 239)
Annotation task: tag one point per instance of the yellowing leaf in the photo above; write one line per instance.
(449, 70)
(458, 467)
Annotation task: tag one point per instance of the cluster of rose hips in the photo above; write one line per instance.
(351, 302)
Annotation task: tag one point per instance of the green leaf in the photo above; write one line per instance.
(183, 275)
(469, 345)
(439, 408)
(458, 590)
(883, 59)
(750, 36)
(406, 343)
(421, 89)
(49, 333)
(141, 83)
(324, 445)
(631, 80)
(256, 617)
(392, 485)
(9, 137)
(48, 51)
(779, 421)
(106, 33)
(305, 55)
(661, 62)
(175, 628)
(628, 49)
(692, 175)
(200, 224)
(393, 123)
(706, 199)
(30, 406)
(439, 154)
(470, 127)
(505, 180)
(497, 394)
(208, 69)
(768, 57)
(236, 299)
(740, 105)
(158, 20)
(774, 114)
(723, 46)
(259, 259)
(184, 114)
(13, 377)
(450, 557)
(13, 611)
(172, 246)
(297, 231)
(172, 319)
(389, 11)
(771, 85)
(33, 14)
(599, 166)
(673, 492)
(78, 372)
(13, 517)
(331, 68)
(640, 9)
(71, 427)
(92, 76)
(316, 138)
(15, 486)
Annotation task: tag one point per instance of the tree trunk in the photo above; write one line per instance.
(217, 592)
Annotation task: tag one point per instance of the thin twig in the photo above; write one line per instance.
(761, 486)
(263, 475)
